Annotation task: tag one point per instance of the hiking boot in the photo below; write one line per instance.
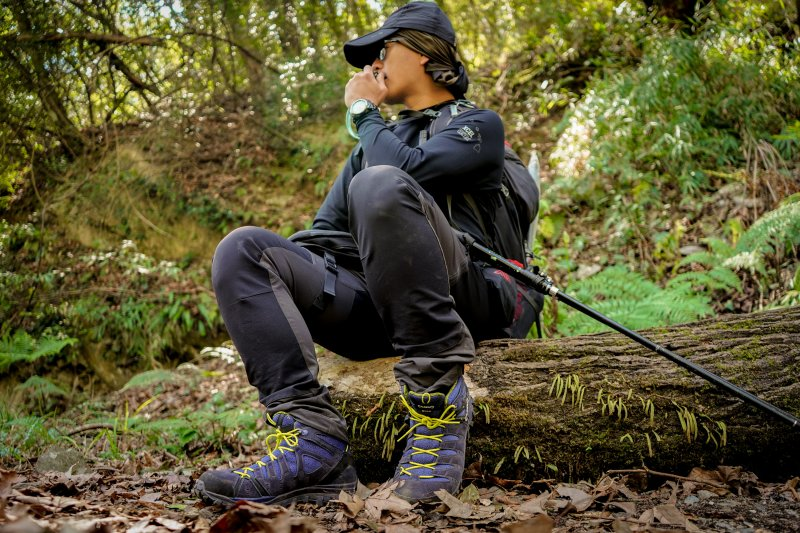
(302, 465)
(437, 438)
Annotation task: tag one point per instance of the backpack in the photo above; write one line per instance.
(508, 229)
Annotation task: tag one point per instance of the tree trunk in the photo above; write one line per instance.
(576, 407)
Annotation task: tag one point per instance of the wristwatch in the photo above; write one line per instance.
(361, 106)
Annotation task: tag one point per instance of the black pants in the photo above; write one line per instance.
(416, 290)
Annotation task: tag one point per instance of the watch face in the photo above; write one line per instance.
(359, 106)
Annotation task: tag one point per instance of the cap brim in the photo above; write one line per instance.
(365, 49)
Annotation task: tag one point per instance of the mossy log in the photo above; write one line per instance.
(573, 408)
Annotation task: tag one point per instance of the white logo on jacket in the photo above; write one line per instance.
(466, 133)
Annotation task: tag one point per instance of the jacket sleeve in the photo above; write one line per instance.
(332, 214)
(465, 154)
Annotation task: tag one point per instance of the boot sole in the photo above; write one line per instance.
(318, 494)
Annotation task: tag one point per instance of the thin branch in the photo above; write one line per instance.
(89, 427)
(144, 40)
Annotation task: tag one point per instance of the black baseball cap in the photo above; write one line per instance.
(422, 16)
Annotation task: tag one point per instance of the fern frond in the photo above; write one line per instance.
(630, 298)
(21, 347)
(42, 387)
(719, 278)
(750, 261)
(774, 232)
(166, 425)
(151, 377)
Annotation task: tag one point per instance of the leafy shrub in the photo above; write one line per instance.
(693, 105)
(135, 308)
(155, 306)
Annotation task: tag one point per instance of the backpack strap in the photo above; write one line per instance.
(441, 122)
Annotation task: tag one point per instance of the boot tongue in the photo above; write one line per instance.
(427, 404)
(284, 421)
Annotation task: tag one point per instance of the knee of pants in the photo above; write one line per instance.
(375, 191)
(240, 249)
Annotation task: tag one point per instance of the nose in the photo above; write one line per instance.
(377, 63)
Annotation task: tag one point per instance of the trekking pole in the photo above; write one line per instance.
(544, 284)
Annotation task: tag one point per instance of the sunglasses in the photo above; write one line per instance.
(382, 53)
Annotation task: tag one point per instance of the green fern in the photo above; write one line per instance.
(717, 276)
(21, 347)
(151, 377)
(774, 234)
(631, 299)
(39, 387)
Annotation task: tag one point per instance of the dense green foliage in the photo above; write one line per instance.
(136, 133)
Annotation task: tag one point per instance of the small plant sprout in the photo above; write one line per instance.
(688, 422)
(484, 407)
(612, 406)
(649, 409)
(649, 445)
(569, 387)
(521, 450)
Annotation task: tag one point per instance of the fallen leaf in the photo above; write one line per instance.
(535, 505)
(538, 524)
(745, 482)
(142, 526)
(669, 514)
(172, 525)
(401, 528)
(248, 516)
(579, 498)
(52, 504)
(789, 490)
(710, 479)
(7, 478)
(151, 497)
(628, 507)
(470, 494)
(384, 500)
(26, 524)
(352, 504)
(363, 491)
(647, 517)
(458, 509)
(621, 527)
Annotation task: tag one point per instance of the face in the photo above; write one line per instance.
(402, 70)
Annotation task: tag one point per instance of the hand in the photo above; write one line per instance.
(366, 85)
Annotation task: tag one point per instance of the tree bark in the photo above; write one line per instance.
(576, 407)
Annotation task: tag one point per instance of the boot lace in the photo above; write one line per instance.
(278, 441)
(448, 417)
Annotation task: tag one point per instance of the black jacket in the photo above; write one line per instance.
(466, 155)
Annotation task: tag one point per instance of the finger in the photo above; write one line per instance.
(380, 80)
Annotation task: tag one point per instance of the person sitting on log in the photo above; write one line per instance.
(409, 289)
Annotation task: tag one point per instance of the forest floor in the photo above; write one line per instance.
(142, 487)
